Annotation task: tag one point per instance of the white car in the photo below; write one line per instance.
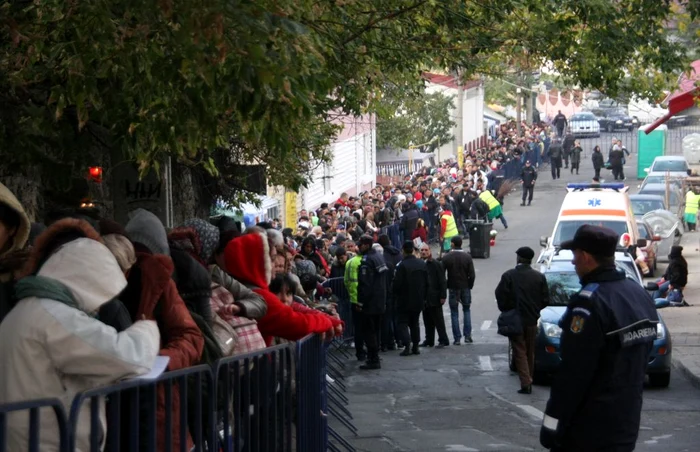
(584, 124)
(675, 166)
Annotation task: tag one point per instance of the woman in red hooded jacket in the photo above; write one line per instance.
(247, 258)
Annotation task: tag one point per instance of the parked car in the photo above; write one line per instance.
(616, 119)
(673, 166)
(564, 282)
(668, 227)
(650, 250)
(643, 204)
(584, 124)
(674, 195)
(658, 179)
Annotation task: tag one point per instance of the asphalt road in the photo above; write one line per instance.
(463, 398)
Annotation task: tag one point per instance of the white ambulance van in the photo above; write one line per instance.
(605, 205)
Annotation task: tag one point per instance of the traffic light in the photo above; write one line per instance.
(95, 174)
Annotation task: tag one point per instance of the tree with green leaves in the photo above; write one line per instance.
(213, 84)
(407, 119)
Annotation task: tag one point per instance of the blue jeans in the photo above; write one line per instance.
(463, 297)
(661, 291)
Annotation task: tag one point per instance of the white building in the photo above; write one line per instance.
(352, 170)
(469, 116)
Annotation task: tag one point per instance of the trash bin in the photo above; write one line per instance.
(479, 240)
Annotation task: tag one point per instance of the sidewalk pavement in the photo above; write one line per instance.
(684, 322)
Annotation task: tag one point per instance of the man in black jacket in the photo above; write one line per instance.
(409, 220)
(555, 154)
(410, 290)
(371, 298)
(526, 290)
(560, 123)
(390, 334)
(616, 157)
(437, 295)
(528, 176)
(460, 282)
(607, 333)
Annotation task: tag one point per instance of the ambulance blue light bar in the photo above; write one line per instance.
(577, 186)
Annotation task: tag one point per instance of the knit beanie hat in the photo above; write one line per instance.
(146, 228)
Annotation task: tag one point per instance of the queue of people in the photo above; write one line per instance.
(87, 302)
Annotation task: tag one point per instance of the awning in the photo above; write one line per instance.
(676, 105)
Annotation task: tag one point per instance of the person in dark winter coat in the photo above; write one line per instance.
(338, 267)
(528, 176)
(616, 163)
(371, 298)
(526, 290)
(576, 156)
(560, 123)
(676, 276)
(555, 155)
(390, 335)
(151, 292)
(410, 287)
(598, 161)
(409, 220)
(437, 295)
(460, 282)
(567, 147)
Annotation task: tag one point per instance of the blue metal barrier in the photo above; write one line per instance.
(34, 407)
(312, 429)
(245, 404)
(337, 285)
(142, 401)
(254, 400)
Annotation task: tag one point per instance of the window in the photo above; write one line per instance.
(640, 207)
(567, 229)
(562, 285)
(670, 165)
(643, 231)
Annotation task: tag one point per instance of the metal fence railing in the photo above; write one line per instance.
(28, 413)
(254, 402)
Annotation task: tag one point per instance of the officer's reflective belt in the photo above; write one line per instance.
(550, 423)
(636, 333)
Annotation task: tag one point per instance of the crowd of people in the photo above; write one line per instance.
(87, 302)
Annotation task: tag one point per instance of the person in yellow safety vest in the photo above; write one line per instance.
(692, 199)
(448, 229)
(495, 209)
(352, 270)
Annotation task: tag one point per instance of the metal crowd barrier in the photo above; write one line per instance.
(29, 412)
(254, 400)
(244, 404)
(141, 398)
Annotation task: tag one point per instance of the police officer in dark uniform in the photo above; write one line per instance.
(372, 280)
(608, 331)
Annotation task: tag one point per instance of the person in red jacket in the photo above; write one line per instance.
(247, 258)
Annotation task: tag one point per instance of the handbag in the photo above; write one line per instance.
(509, 322)
(247, 335)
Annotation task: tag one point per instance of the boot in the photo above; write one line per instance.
(416, 350)
(525, 390)
(406, 352)
(522, 203)
(371, 365)
(529, 202)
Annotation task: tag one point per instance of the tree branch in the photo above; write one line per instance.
(389, 16)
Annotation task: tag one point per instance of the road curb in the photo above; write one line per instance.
(682, 368)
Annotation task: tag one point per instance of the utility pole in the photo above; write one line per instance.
(518, 108)
(459, 136)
